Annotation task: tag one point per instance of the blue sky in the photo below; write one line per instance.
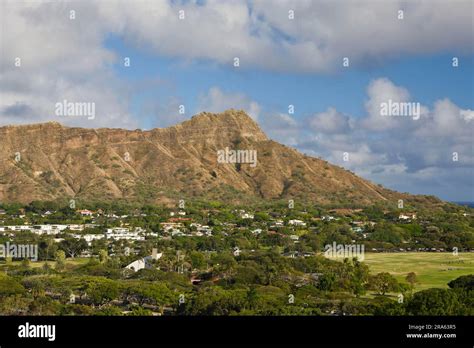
(182, 52)
(428, 77)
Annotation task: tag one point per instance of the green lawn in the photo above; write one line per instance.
(73, 262)
(433, 270)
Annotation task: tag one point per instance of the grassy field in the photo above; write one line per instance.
(73, 262)
(433, 270)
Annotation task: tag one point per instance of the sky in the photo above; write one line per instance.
(313, 74)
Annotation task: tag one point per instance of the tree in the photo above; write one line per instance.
(252, 297)
(326, 282)
(385, 232)
(143, 292)
(435, 302)
(261, 216)
(102, 291)
(224, 263)
(9, 286)
(44, 306)
(359, 278)
(73, 246)
(14, 305)
(466, 282)
(411, 279)
(197, 259)
(139, 311)
(249, 273)
(46, 267)
(383, 283)
(25, 263)
(215, 301)
(60, 258)
(385, 306)
(46, 248)
(103, 256)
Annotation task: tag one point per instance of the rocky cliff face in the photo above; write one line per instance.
(49, 161)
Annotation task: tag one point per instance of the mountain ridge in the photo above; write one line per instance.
(58, 162)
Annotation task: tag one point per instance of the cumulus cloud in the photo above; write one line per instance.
(323, 32)
(468, 115)
(216, 100)
(66, 58)
(381, 94)
(263, 34)
(431, 155)
(330, 121)
(281, 127)
(48, 58)
(446, 120)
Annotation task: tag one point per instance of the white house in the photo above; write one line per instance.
(118, 233)
(278, 223)
(172, 227)
(16, 228)
(76, 227)
(408, 216)
(89, 237)
(205, 230)
(48, 229)
(177, 233)
(296, 222)
(328, 218)
(144, 262)
(244, 215)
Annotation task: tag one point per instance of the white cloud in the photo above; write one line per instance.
(215, 100)
(448, 120)
(61, 59)
(467, 115)
(64, 58)
(281, 127)
(381, 91)
(258, 32)
(261, 34)
(324, 32)
(330, 121)
(413, 156)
